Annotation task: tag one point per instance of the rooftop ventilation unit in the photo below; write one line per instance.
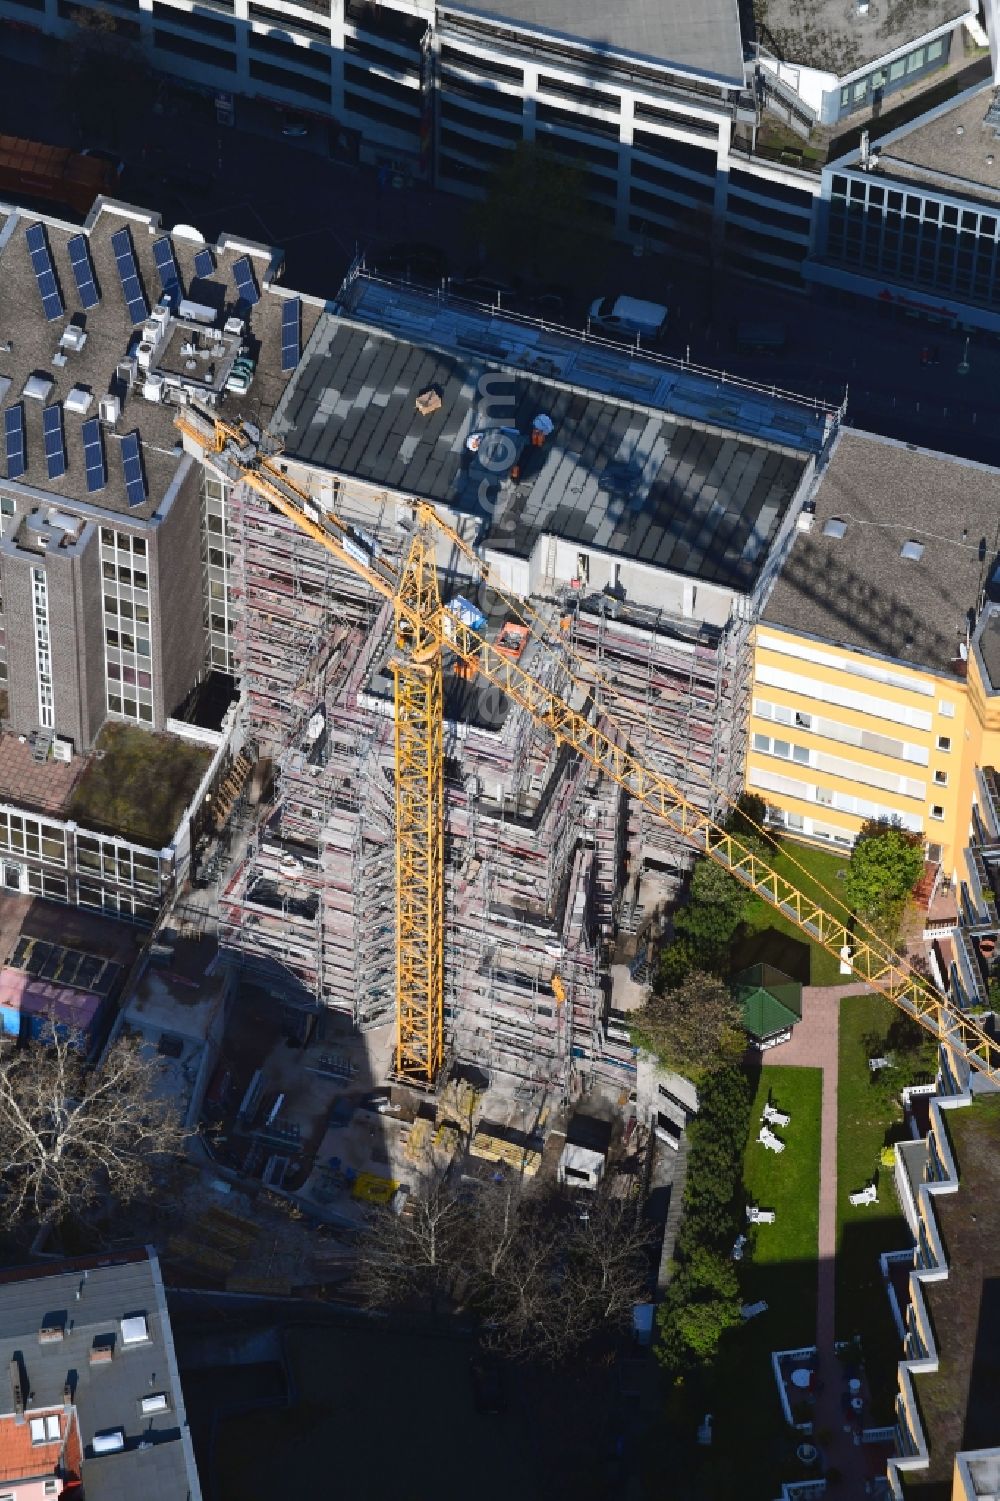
(78, 401)
(134, 1329)
(37, 387)
(109, 409)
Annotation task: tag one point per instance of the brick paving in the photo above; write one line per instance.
(814, 1044)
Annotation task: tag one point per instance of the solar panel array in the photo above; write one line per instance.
(135, 297)
(204, 263)
(55, 448)
(13, 432)
(83, 270)
(246, 284)
(170, 277)
(291, 346)
(135, 478)
(41, 264)
(93, 455)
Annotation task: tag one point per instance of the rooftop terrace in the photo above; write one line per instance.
(960, 1404)
(668, 477)
(138, 784)
(834, 36)
(80, 349)
(702, 36)
(847, 581)
(955, 148)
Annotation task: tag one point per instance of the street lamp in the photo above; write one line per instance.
(963, 364)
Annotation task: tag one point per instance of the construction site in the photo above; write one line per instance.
(550, 870)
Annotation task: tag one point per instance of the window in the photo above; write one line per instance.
(37, 1426)
(936, 810)
(915, 60)
(897, 69)
(944, 742)
(941, 779)
(945, 709)
(912, 551)
(53, 1429)
(803, 721)
(934, 49)
(158, 1402)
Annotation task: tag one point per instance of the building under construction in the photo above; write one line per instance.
(642, 510)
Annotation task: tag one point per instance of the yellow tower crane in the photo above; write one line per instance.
(424, 630)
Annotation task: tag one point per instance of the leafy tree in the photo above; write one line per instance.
(748, 820)
(693, 1026)
(885, 865)
(73, 1138)
(535, 218)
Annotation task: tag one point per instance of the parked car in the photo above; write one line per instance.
(417, 261)
(294, 125)
(628, 316)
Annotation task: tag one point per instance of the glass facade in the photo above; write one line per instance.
(216, 567)
(888, 78)
(43, 649)
(127, 648)
(912, 237)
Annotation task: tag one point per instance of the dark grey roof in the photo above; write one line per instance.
(951, 148)
(90, 1306)
(987, 645)
(834, 36)
(701, 35)
(631, 481)
(34, 341)
(856, 590)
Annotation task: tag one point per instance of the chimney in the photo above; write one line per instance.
(17, 1385)
(51, 1333)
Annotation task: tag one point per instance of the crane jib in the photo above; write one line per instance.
(435, 629)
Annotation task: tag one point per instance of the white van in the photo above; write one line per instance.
(628, 316)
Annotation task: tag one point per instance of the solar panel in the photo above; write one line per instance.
(290, 346)
(135, 478)
(135, 297)
(245, 282)
(93, 455)
(204, 263)
(83, 270)
(55, 448)
(13, 431)
(41, 264)
(170, 279)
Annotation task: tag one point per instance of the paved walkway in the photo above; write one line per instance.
(814, 1044)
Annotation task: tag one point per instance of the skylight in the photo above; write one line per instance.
(912, 551)
(834, 527)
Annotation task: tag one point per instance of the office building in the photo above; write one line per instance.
(869, 700)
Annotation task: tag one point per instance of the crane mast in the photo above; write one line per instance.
(424, 629)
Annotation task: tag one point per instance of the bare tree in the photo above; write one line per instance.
(412, 1256)
(72, 1136)
(546, 1274)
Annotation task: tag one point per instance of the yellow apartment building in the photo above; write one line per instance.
(876, 655)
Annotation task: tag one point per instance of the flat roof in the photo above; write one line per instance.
(632, 481)
(833, 36)
(89, 1302)
(31, 343)
(960, 1404)
(953, 148)
(702, 36)
(856, 590)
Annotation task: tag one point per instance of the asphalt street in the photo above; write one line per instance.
(901, 375)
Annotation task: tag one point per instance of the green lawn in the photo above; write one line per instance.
(753, 1449)
(820, 869)
(865, 1118)
(782, 1268)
